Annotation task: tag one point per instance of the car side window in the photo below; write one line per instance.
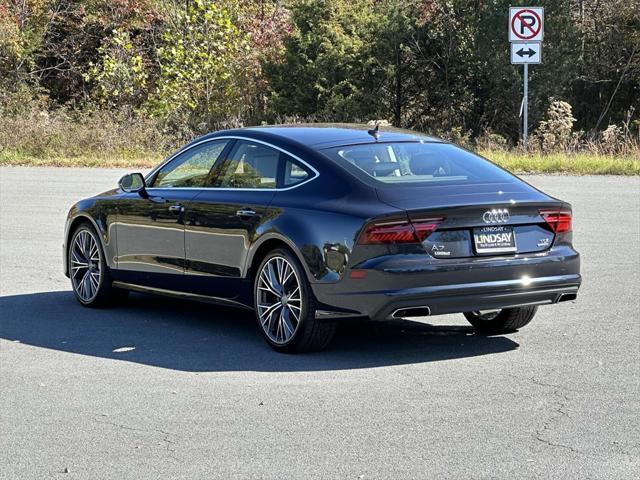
(191, 168)
(294, 173)
(250, 165)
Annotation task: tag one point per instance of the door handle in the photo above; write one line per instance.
(176, 208)
(246, 212)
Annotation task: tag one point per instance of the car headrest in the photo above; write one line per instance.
(264, 161)
(425, 164)
(360, 157)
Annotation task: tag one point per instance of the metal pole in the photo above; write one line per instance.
(525, 101)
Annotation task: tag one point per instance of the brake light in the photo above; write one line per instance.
(426, 227)
(558, 220)
(399, 232)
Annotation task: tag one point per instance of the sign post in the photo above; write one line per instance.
(526, 31)
(525, 101)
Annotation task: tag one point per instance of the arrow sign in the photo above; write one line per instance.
(529, 53)
(526, 53)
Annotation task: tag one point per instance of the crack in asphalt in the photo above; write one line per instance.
(621, 450)
(562, 399)
(165, 435)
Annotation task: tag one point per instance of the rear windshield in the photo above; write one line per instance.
(413, 162)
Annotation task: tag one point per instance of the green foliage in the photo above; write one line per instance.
(51, 45)
(606, 87)
(440, 66)
(19, 40)
(199, 65)
(11, 41)
(120, 78)
(329, 68)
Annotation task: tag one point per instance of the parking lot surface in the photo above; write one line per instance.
(164, 389)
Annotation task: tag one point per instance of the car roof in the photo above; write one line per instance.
(325, 135)
(312, 136)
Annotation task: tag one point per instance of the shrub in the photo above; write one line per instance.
(61, 133)
(554, 132)
(456, 135)
(611, 139)
(489, 140)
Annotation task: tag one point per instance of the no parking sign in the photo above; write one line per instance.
(526, 24)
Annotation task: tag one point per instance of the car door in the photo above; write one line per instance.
(150, 227)
(223, 221)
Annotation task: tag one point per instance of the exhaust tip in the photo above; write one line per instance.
(567, 297)
(421, 311)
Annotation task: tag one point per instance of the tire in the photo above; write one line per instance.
(88, 271)
(501, 321)
(285, 311)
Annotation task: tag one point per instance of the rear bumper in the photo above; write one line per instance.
(465, 298)
(455, 286)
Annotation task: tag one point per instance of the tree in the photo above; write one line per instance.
(440, 66)
(607, 87)
(265, 22)
(121, 77)
(329, 67)
(54, 43)
(199, 69)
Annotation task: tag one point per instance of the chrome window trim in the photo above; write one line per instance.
(233, 137)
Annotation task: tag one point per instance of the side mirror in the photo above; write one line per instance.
(132, 182)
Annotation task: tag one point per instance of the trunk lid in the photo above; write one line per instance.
(479, 220)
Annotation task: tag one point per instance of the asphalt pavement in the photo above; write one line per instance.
(165, 389)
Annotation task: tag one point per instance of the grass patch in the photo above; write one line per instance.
(573, 164)
(132, 161)
(517, 162)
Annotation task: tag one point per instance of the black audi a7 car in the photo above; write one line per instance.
(308, 225)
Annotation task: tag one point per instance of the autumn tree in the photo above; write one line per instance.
(199, 64)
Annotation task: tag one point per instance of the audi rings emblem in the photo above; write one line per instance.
(500, 215)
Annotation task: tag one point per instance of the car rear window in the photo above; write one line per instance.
(416, 162)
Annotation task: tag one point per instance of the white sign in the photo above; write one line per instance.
(526, 52)
(526, 24)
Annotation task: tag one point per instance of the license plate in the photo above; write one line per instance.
(494, 239)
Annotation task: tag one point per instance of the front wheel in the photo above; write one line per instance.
(90, 277)
(285, 306)
(501, 321)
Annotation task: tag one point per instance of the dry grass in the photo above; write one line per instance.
(109, 140)
(98, 139)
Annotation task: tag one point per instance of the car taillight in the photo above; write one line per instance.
(399, 232)
(426, 227)
(558, 220)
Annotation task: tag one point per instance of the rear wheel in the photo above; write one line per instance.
(90, 277)
(285, 306)
(501, 321)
